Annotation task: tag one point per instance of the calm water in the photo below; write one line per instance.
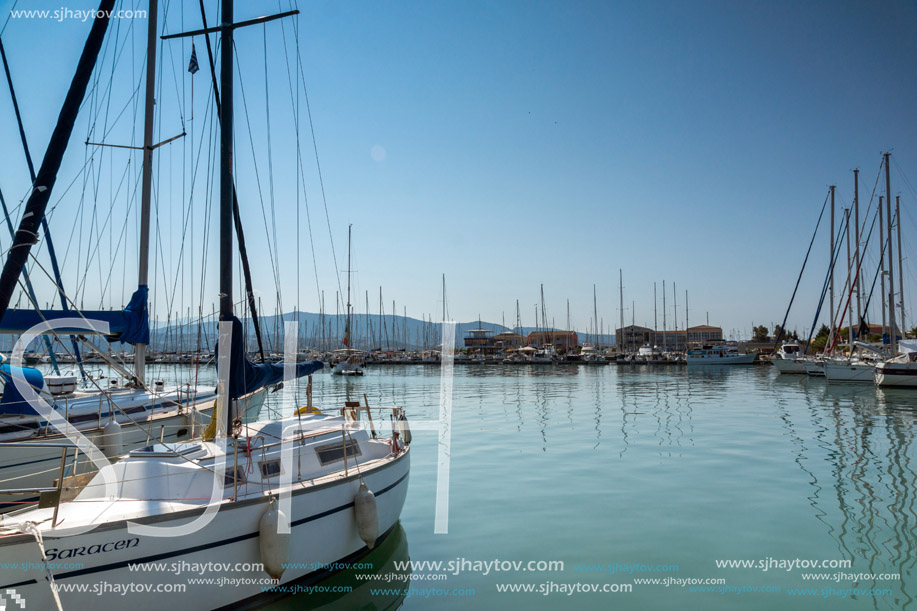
(597, 466)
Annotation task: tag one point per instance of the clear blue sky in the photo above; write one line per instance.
(505, 145)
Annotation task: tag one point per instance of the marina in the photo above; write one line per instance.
(735, 463)
(625, 318)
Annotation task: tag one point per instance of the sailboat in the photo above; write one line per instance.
(900, 370)
(281, 497)
(115, 419)
(347, 360)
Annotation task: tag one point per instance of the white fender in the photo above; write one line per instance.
(275, 546)
(111, 442)
(367, 516)
(404, 429)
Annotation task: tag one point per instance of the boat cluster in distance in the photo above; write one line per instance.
(528, 355)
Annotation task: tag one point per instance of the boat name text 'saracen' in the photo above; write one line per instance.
(99, 548)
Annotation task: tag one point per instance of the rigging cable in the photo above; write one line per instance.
(249, 290)
(799, 278)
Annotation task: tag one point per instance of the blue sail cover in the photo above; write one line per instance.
(246, 377)
(12, 401)
(136, 319)
(130, 325)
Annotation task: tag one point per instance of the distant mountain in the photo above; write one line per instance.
(323, 332)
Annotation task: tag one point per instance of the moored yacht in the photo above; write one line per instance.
(860, 367)
(789, 358)
(721, 354)
(900, 370)
(815, 367)
(313, 467)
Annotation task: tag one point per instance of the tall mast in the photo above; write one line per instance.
(831, 263)
(347, 323)
(675, 317)
(655, 316)
(686, 318)
(849, 286)
(665, 335)
(882, 264)
(147, 186)
(595, 310)
(621, 308)
(900, 263)
(226, 180)
(856, 250)
(892, 328)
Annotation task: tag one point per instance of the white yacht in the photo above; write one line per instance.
(789, 359)
(117, 419)
(722, 354)
(341, 488)
(860, 367)
(347, 363)
(900, 370)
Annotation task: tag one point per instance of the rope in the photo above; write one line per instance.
(32, 528)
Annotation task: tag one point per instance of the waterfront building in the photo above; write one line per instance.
(508, 339)
(632, 337)
(479, 339)
(704, 334)
(559, 339)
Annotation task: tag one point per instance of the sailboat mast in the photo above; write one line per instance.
(882, 264)
(849, 287)
(655, 316)
(147, 184)
(900, 263)
(665, 334)
(856, 250)
(621, 306)
(347, 323)
(675, 317)
(595, 311)
(831, 263)
(226, 183)
(892, 328)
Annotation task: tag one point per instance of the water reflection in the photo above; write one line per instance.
(858, 457)
(661, 399)
(379, 588)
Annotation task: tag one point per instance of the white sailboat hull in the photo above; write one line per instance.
(790, 366)
(896, 374)
(323, 531)
(815, 368)
(26, 468)
(850, 372)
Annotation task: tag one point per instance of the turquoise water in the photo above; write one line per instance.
(666, 468)
(662, 470)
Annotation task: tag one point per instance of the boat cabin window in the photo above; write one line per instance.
(270, 468)
(333, 452)
(239, 476)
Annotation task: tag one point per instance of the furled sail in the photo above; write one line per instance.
(246, 377)
(130, 325)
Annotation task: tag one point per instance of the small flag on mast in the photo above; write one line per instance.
(192, 65)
